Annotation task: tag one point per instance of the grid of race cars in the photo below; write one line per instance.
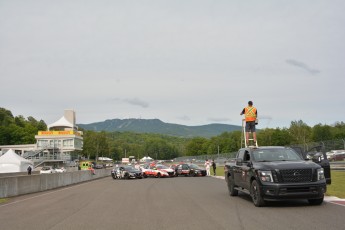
(156, 170)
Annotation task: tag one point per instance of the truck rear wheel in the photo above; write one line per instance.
(231, 187)
(255, 193)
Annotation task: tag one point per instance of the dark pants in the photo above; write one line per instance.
(250, 126)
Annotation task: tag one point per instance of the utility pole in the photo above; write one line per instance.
(97, 151)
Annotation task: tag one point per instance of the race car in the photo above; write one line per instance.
(189, 170)
(152, 171)
(165, 168)
(126, 172)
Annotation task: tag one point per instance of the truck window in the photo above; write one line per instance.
(241, 154)
(246, 156)
(276, 155)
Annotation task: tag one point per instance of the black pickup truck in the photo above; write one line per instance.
(273, 174)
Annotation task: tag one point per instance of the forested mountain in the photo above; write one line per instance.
(159, 127)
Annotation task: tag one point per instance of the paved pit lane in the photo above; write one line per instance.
(165, 203)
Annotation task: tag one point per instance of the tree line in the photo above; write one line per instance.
(18, 130)
(116, 145)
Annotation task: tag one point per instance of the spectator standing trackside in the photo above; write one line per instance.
(137, 166)
(214, 166)
(92, 169)
(29, 170)
(207, 166)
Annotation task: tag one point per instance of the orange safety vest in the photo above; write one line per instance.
(250, 113)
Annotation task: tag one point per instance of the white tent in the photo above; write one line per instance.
(12, 162)
(146, 159)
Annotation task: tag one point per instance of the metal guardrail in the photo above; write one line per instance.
(338, 165)
(220, 158)
(327, 145)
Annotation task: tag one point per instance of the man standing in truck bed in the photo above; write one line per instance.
(251, 114)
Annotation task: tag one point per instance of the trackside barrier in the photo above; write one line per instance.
(20, 185)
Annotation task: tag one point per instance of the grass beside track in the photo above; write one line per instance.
(2, 200)
(337, 188)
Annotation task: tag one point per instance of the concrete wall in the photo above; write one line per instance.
(19, 185)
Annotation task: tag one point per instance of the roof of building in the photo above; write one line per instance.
(62, 122)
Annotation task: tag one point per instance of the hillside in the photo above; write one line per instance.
(157, 126)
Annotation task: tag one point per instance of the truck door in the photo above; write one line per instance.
(238, 168)
(241, 170)
(245, 170)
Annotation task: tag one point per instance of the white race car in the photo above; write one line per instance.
(154, 171)
(164, 168)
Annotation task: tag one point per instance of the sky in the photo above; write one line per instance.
(189, 62)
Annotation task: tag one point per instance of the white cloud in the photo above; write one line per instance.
(219, 119)
(303, 66)
(136, 102)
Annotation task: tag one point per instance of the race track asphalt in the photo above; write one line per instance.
(165, 203)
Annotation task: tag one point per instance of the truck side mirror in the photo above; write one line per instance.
(239, 161)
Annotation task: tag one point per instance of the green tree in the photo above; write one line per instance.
(5, 135)
(29, 134)
(102, 146)
(89, 147)
(159, 149)
(196, 146)
(227, 142)
(39, 125)
(274, 137)
(235, 141)
(16, 134)
(20, 121)
(18, 130)
(96, 144)
(6, 117)
(338, 132)
(321, 133)
(300, 132)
